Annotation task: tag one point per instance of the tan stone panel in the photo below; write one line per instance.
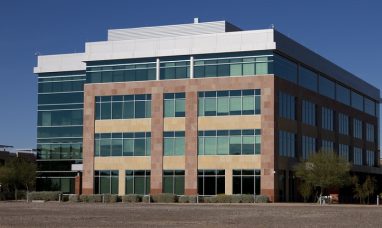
(122, 163)
(228, 182)
(173, 162)
(229, 161)
(174, 124)
(121, 182)
(228, 122)
(129, 125)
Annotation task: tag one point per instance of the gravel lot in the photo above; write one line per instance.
(52, 214)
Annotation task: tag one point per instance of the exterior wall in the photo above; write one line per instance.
(191, 162)
(285, 164)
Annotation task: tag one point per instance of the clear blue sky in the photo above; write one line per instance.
(349, 33)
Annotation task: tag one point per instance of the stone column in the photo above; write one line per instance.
(268, 163)
(156, 141)
(191, 153)
(88, 141)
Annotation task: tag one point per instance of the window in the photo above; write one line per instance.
(343, 124)
(61, 98)
(175, 69)
(174, 104)
(343, 151)
(327, 118)
(326, 87)
(173, 181)
(287, 144)
(137, 182)
(232, 102)
(370, 132)
(308, 113)
(231, 66)
(106, 181)
(370, 157)
(370, 106)
(229, 142)
(59, 132)
(67, 84)
(287, 106)
(343, 94)
(122, 144)
(357, 128)
(285, 68)
(308, 146)
(327, 146)
(173, 143)
(123, 107)
(246, 181)
(59, 151)
(308, 79)
(357, 156)
(120, 71)
(211, 182)
(357, 101)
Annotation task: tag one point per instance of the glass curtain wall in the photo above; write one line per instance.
(59, 129)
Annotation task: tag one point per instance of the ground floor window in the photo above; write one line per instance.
(173, 182)
(63, 184)
(106, 182)
(211, 182)
(137, 182)
(246, 181)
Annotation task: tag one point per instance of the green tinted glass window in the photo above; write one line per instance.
(168, 146)
(169, 107)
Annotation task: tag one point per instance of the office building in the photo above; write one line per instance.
(202, 108)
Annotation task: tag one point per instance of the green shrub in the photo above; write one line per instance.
(46, 196)
(110, 198)
(261, 199)
(91, 198)
(164, 198)
(247, 199)
(3, 196)
(223, 199)
(210, 199)
(132, 198)
(74, 198)
(7, 196)
(187, 199)
(146, 199)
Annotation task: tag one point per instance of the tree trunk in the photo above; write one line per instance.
(16, 193)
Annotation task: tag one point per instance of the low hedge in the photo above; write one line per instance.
(164, 198)
(74, 198)
(110, 198)
(262, 199)
(235, 199)
(131, 198)
(21, 195)
(146, 199)
(187, 199)
(91, 198)
(46, 196)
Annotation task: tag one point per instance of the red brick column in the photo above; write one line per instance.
(156, 141)
(191, 147)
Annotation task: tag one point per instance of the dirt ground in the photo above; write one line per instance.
(53, 214)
